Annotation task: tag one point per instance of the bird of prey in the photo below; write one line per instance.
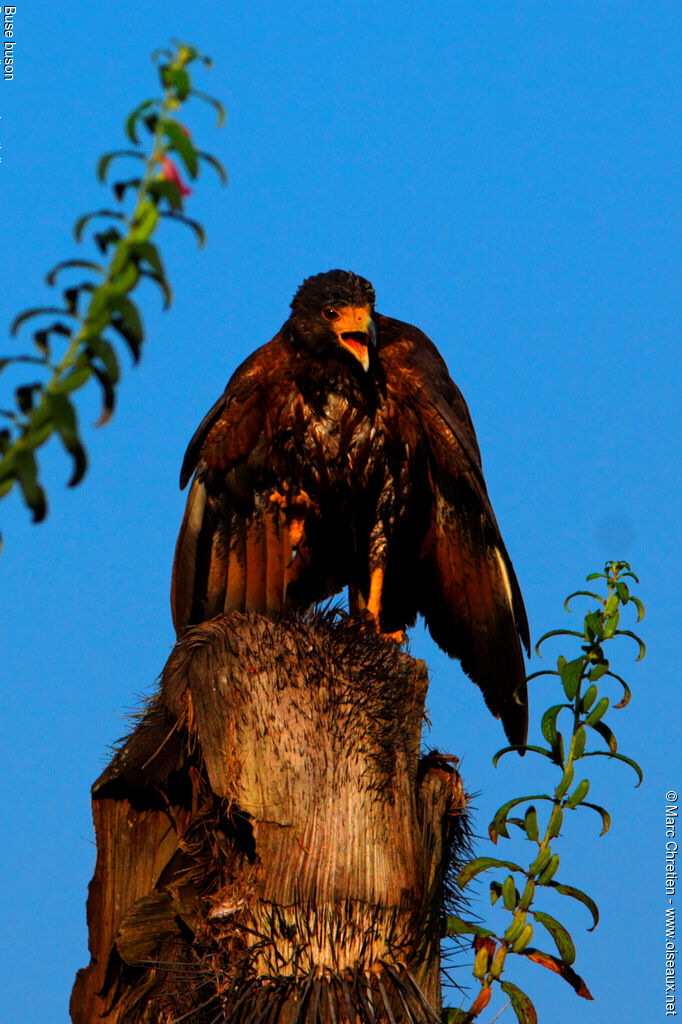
(342, 454)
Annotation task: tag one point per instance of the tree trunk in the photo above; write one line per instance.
(270, 846)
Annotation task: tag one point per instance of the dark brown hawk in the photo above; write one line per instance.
(342, 454)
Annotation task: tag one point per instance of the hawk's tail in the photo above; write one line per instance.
(228, 562)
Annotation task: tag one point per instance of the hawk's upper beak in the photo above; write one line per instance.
(356, 332)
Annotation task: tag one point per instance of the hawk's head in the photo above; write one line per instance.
(335, 309)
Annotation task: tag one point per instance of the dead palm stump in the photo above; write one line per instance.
(270, 846)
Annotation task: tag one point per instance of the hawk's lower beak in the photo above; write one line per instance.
(356, 332)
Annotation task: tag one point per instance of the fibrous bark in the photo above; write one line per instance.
(270, 845)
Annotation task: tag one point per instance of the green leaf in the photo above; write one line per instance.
(150, 122)
(162, 51)
(480, 864)
(523, 746)
(215, 164)
(182, 144)
(550, 871)
(34, 438)
(604, 814)
(193, 224)
(559, 967)
(589, 697)
(106, 158)
(34, 311)
(597, 672)
(456, 926)
(555, 822)
(524, 938)
(163, 285)
(578, 743)
(555, 632)
(24, 395)
(127, 323)
(103, 350)
(509, 893)
(26, 472)
(82, 221)
(527, 896)
(619, 757)
(627, 693)
(598, 712)
(642, 646)
(640, 608)
(531, 824)
(544, 672)
(623, 592)
(580, 593)
(594, 624)
(540, 862)
(521, 1004)
(216, 104)
(119, 188)
(131, 120)
(611, 625)
(516, 927)
(607, 735)
(71, 295)
(88, 264)
(577, 894)
(497, 826)
(612, 604)
(548, 724)
(67, 426)
(578, 794)
(566, 781)
(160, 189)
(103, 239)
(72, 381)
(571, 675)
(177, 79)
(495, 892)
(148, 252)
(108, 397)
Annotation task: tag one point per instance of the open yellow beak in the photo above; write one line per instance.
(356, 332)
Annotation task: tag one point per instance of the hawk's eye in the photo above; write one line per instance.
(330, 314)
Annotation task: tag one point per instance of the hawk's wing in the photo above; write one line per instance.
(467, 589)
(233, 548)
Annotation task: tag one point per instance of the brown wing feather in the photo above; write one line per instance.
(467, 607)
(233, 547)
(468, 591)
(184, 564)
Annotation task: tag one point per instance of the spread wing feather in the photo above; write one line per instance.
(468, 591)
(233, 550)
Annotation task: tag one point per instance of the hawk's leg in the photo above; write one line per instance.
(377, 561)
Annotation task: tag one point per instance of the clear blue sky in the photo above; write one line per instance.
(508, 176)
